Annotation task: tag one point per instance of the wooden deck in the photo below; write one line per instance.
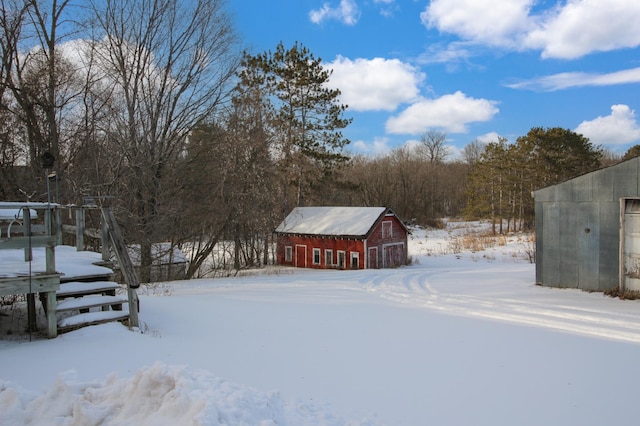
(29, 238)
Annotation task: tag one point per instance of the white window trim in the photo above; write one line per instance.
(354, 255)
(328, 257)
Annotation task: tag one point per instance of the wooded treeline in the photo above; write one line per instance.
(153, 103)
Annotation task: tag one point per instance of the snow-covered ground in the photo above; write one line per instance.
(457, 338)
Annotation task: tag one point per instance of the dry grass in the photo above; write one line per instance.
(477, 241)
(483, 243)
(623, 295)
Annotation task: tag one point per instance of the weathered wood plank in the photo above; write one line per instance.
(91, 318)
(76, 288)
(24, 285)
(90, 302)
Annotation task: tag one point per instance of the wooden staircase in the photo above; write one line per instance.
(81, 304)
(84, 301)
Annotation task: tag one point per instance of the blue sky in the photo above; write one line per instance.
(470, 69)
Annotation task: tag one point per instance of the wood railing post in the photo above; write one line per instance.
(26, 225)
(59, 226)
(125, 263)
(80, 229)
(106, 244)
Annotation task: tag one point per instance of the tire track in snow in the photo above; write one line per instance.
(429, 289)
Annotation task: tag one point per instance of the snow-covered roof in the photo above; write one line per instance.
(345, 221)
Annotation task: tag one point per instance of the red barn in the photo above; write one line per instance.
(342, 238)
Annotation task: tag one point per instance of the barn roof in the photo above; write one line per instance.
(333, 221)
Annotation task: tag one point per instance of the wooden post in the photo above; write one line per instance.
(80, 229)
(59, 226)
(106, 255)
(52, 322)
(26, 229)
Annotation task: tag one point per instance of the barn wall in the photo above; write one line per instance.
(322, 243)
(392, 249)
(578, 228)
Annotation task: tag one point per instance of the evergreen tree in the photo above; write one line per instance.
(308, 117)
(558, 154)
(632, 152)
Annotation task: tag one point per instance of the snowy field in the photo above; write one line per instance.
(459, 337)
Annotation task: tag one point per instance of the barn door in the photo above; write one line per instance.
(393, 255)
(630, 245)
(372, 260)
(301, 256)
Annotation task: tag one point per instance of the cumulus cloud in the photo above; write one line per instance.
(452, 113)
(584, 26)
(490, 21)
(346, 12)
(618, 128)
(567, 80)
(569, 30)
(375, 84)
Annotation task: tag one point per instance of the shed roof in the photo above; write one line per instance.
(333, 221)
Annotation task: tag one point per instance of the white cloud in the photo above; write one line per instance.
(569, 30)
(451, 53)
(584, 26)
(578, 79)
(488, 138)
(379, 145)
(619, 128)
(490, 21)
(346, 12)
(451, 113)
(375, 84)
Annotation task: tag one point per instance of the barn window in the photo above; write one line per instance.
(328, 257)
(355, 260)
(316, 256)
(342, 259)
(387, 229)
(288, 254)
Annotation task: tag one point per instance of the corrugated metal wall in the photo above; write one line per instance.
(578, 228)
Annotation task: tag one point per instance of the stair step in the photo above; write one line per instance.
(91, 318)
(77, 288)
(90, 302)
(86, 278)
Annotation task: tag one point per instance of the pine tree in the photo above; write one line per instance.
(308, 117)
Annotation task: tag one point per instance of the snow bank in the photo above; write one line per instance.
(158, 395)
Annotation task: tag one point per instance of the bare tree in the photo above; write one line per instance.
(36, 74)
(433, 146)
(472, 152)
(170, 62)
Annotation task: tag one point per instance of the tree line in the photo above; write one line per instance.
(154, 103)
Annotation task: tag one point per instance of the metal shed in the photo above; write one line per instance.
(586, 225)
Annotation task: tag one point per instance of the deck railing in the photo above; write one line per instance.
(29, 225)
(26, 226)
